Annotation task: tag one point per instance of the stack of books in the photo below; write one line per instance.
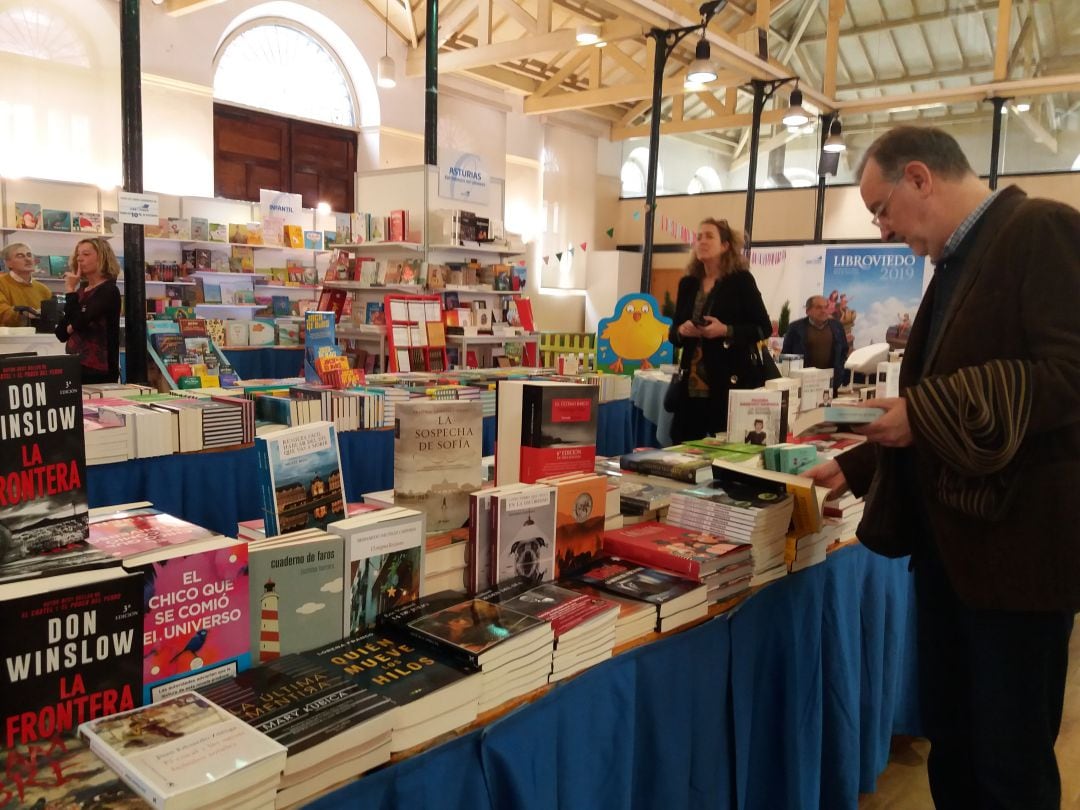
(186, 752)
(676, 601)
(758, 518)
(803, 552)
(848, 510)
(331, 727)
(512, 649)
(584, 626)
(723, 567)
(431, 694)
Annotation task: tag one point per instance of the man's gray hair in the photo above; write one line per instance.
(899, 146)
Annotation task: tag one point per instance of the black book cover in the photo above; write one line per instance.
(297, 701)
(77, 654)
(43, 506)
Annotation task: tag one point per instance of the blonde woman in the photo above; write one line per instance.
(91, 322)
(719, 315)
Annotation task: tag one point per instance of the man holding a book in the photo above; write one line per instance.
(17, 288)
(973, 470)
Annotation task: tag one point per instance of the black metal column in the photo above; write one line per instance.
(995, 142)
(132, 134)
(819, 213)
(431, 85)
(751, 180)
(659, 58)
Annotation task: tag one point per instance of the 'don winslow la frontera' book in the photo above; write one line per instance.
(42, 469)
(76, 654)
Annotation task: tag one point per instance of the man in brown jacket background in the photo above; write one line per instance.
(975, 469)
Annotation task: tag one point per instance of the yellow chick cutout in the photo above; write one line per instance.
(636, 335)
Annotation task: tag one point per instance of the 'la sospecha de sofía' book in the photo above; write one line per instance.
(43, 467)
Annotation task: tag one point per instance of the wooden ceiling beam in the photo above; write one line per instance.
(178, 8)
(1042, 85)
(697, 125)
(617, 94)
(1001, 45)
(832, 46)
(456, 19)
(978, 7)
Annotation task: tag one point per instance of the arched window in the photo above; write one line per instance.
(634, 173)
(704, 179)
(282, 68)
(800, 178)
(32, 32)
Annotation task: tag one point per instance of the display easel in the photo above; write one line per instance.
(415, 330)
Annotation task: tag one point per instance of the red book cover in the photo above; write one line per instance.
(672, 548)
(558, 431)
(138, 530)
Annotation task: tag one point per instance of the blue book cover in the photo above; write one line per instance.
(320, 340)
(300, 478)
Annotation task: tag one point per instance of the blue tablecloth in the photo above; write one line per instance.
(273, 362)
(648, 397)
(789, 702)
(217, 489)
(616, 429)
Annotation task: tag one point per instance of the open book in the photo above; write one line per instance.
(809, 499)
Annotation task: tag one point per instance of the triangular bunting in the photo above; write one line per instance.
(546, 259)
(583, 244)
(570, 251)
(558, 257)
(637, 215)
(610, 232)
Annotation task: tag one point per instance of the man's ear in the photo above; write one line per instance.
(920, 176)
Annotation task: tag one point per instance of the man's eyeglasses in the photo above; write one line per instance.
(880, 212)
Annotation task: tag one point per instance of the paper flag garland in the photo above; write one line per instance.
(637, 215)
(558, 257)
(546, 259)
(611, 231)
(583, 244)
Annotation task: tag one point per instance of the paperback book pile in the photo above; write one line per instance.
(151, 432)
(331, 726)
(810, 549)
(757, 516)
(723, 567)
(584, 626)
(254, 530)
(676, 601)
(431, 693)
(186, 753)
(512, 649)
(690, 468)
(384, 563)
(848, 510)
(637, 619)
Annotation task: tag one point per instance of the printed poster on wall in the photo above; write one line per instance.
(873, 291)
(462, 177)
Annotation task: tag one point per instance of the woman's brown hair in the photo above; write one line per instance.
(731, 261)
(110, 266)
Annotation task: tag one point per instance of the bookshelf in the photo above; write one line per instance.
(415, 333)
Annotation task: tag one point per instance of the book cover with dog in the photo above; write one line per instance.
(523, 534)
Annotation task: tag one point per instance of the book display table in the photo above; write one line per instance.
(216, 489)
(789, 701)
(266, 362)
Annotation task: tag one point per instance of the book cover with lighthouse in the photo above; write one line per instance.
(296, 594)
(196, 629)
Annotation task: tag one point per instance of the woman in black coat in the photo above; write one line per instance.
(719, 318)
(91, 323)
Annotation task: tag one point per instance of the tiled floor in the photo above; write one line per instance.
(903, 785)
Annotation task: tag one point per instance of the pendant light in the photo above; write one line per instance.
(387, 70)
(702, 69)
(796, 116)
(835, 141)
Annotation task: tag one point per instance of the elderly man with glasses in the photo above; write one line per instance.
(974, 469)
(17, 288)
